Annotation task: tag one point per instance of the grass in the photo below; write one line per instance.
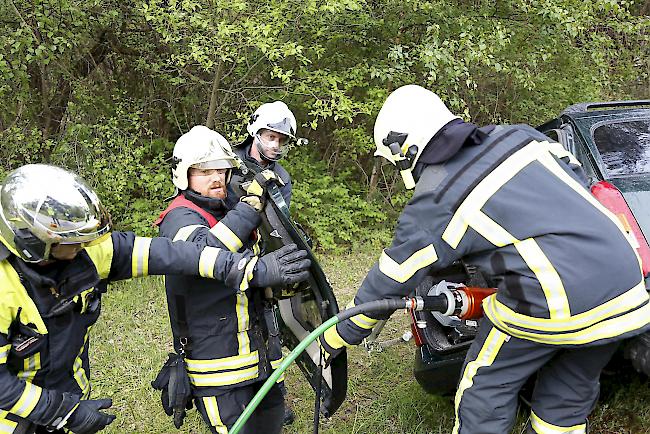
(132, 338)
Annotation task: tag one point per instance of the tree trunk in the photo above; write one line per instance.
(214, 96)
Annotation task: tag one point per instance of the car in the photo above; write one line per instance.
(612, 142)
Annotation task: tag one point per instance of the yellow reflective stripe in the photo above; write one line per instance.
(223, 378)
(184, 233)
(27, 401)
(334, 339)
(276, 363)
(31, 365)
(243, 323)
(486, 356)
(490, 230)
(4, 353)
(363, 321)
(542, 427)
(477, 198)
(212, 409)
(404, 271)
(556, 298)
(79, 372)
(224, 363)
(606, 329)
(248, 274)
(227, 237)
(14, 295)
(140, 257)
(280, 378)
(6, 426)
(102, 255)
(625, 302)
(207, 261)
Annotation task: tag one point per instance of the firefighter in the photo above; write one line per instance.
(220, 328)
(57, 255)
(271, 128)
(511, 201)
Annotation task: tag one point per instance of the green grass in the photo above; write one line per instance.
(132, 338)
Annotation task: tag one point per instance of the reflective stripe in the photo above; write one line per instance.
(184, 233)
(212, 409)
(542, 427)
(207, 261)
(6, 426)
(233, 362)
(248, 274)
(243, 324)
(280, 378)
(27, 401)
(4, 352)
(404, 271)
(276, 363)
(556, 298)
(490, 230)
(227, 237)
(14, 296)
(31, 365)
(363, 321)
(609, 328)
(334, 339)
(625, 302)
(223, 378)
(486, 356)
(102, 256)
(140, 257)
(79, 372)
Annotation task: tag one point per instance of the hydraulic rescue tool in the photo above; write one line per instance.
(461, 302)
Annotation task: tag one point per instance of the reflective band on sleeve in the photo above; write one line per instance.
(27, 401)
(184, 233)
(334, 339)
(227, 237)
(243, 324)
(549, 279)
(276, 363)
(140, 257)
(404, 271)
(79, 372)
(207, 261)
(222, 364)
(31, 365)
(212, 409)
(486, 357)
(542, 427)
(4, 352)
(365, 322)
(6, 426)
(248, 274)
(223, 378)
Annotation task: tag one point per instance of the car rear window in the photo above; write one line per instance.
(624, 147)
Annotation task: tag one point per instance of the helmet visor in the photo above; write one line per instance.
(215, 164)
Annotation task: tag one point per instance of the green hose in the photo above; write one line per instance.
(250, 408)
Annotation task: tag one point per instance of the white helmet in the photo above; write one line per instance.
(274, 116)
(202, 148)
(43, 205)
(409, 118)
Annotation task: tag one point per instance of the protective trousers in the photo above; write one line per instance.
(496, 367)
(221, 412)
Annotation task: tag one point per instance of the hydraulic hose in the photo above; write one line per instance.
(377, 306)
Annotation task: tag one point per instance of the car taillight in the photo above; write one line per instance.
(614, 201)
(417, 333)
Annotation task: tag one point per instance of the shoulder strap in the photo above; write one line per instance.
(181, 201)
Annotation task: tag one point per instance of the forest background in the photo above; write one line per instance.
(105, 87)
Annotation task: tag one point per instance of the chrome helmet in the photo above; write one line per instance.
(43, 205)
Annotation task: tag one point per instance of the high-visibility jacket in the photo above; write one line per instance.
(223, 323)
(516, 206)
(44, 344)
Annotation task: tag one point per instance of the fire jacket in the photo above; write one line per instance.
(243, 152)
(223, 323)
(46, 313)
(517, 206)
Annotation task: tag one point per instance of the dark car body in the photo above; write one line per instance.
(612, 142)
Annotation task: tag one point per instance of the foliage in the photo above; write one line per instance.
(106, 87)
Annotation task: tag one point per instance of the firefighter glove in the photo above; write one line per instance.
(257, 188)
(87, 419)
(286, 266)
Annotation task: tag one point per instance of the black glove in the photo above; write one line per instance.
(283, 267)
(87, 419)
(173, 381)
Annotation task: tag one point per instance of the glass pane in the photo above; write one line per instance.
(624, 147)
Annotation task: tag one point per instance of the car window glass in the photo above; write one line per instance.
(624, 147)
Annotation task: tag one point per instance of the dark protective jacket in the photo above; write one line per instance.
(224, 322)
(43, 346)
(243, 152)
(518, 207)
